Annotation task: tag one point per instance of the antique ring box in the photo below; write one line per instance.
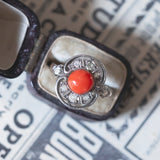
(19, 34)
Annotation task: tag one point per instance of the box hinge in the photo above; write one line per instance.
(36, 53)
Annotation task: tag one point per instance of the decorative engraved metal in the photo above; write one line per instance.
(66, 95)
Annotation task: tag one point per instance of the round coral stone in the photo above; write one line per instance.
(80, 81)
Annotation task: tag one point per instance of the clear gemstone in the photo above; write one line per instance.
(90, 66)
(73, 98)
(58, 70)
(64, 88)
(71, 66)
(97, 75)
(77, 64)
(86, 98)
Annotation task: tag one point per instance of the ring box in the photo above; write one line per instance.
(19, 47)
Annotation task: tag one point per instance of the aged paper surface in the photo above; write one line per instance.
(32, 130)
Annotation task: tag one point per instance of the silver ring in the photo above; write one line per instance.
(89, 87)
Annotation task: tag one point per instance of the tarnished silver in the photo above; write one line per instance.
(66, 95)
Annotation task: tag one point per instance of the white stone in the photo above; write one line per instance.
(86, 98)
(64, 88)
(73, 98)
(90, 66)
(58, 70)
(77, 64)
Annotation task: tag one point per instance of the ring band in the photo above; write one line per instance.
(80, 81)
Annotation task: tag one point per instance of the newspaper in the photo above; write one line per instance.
(32, 130)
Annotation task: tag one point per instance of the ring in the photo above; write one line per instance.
(80, 81)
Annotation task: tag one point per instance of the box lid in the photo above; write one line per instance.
(61, 49)
(19, 30)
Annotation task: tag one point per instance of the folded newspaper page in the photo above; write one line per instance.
(32, 130)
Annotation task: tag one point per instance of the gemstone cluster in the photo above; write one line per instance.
(80, 80)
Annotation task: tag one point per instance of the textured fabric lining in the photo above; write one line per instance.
(13, 27)
(66, 47)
